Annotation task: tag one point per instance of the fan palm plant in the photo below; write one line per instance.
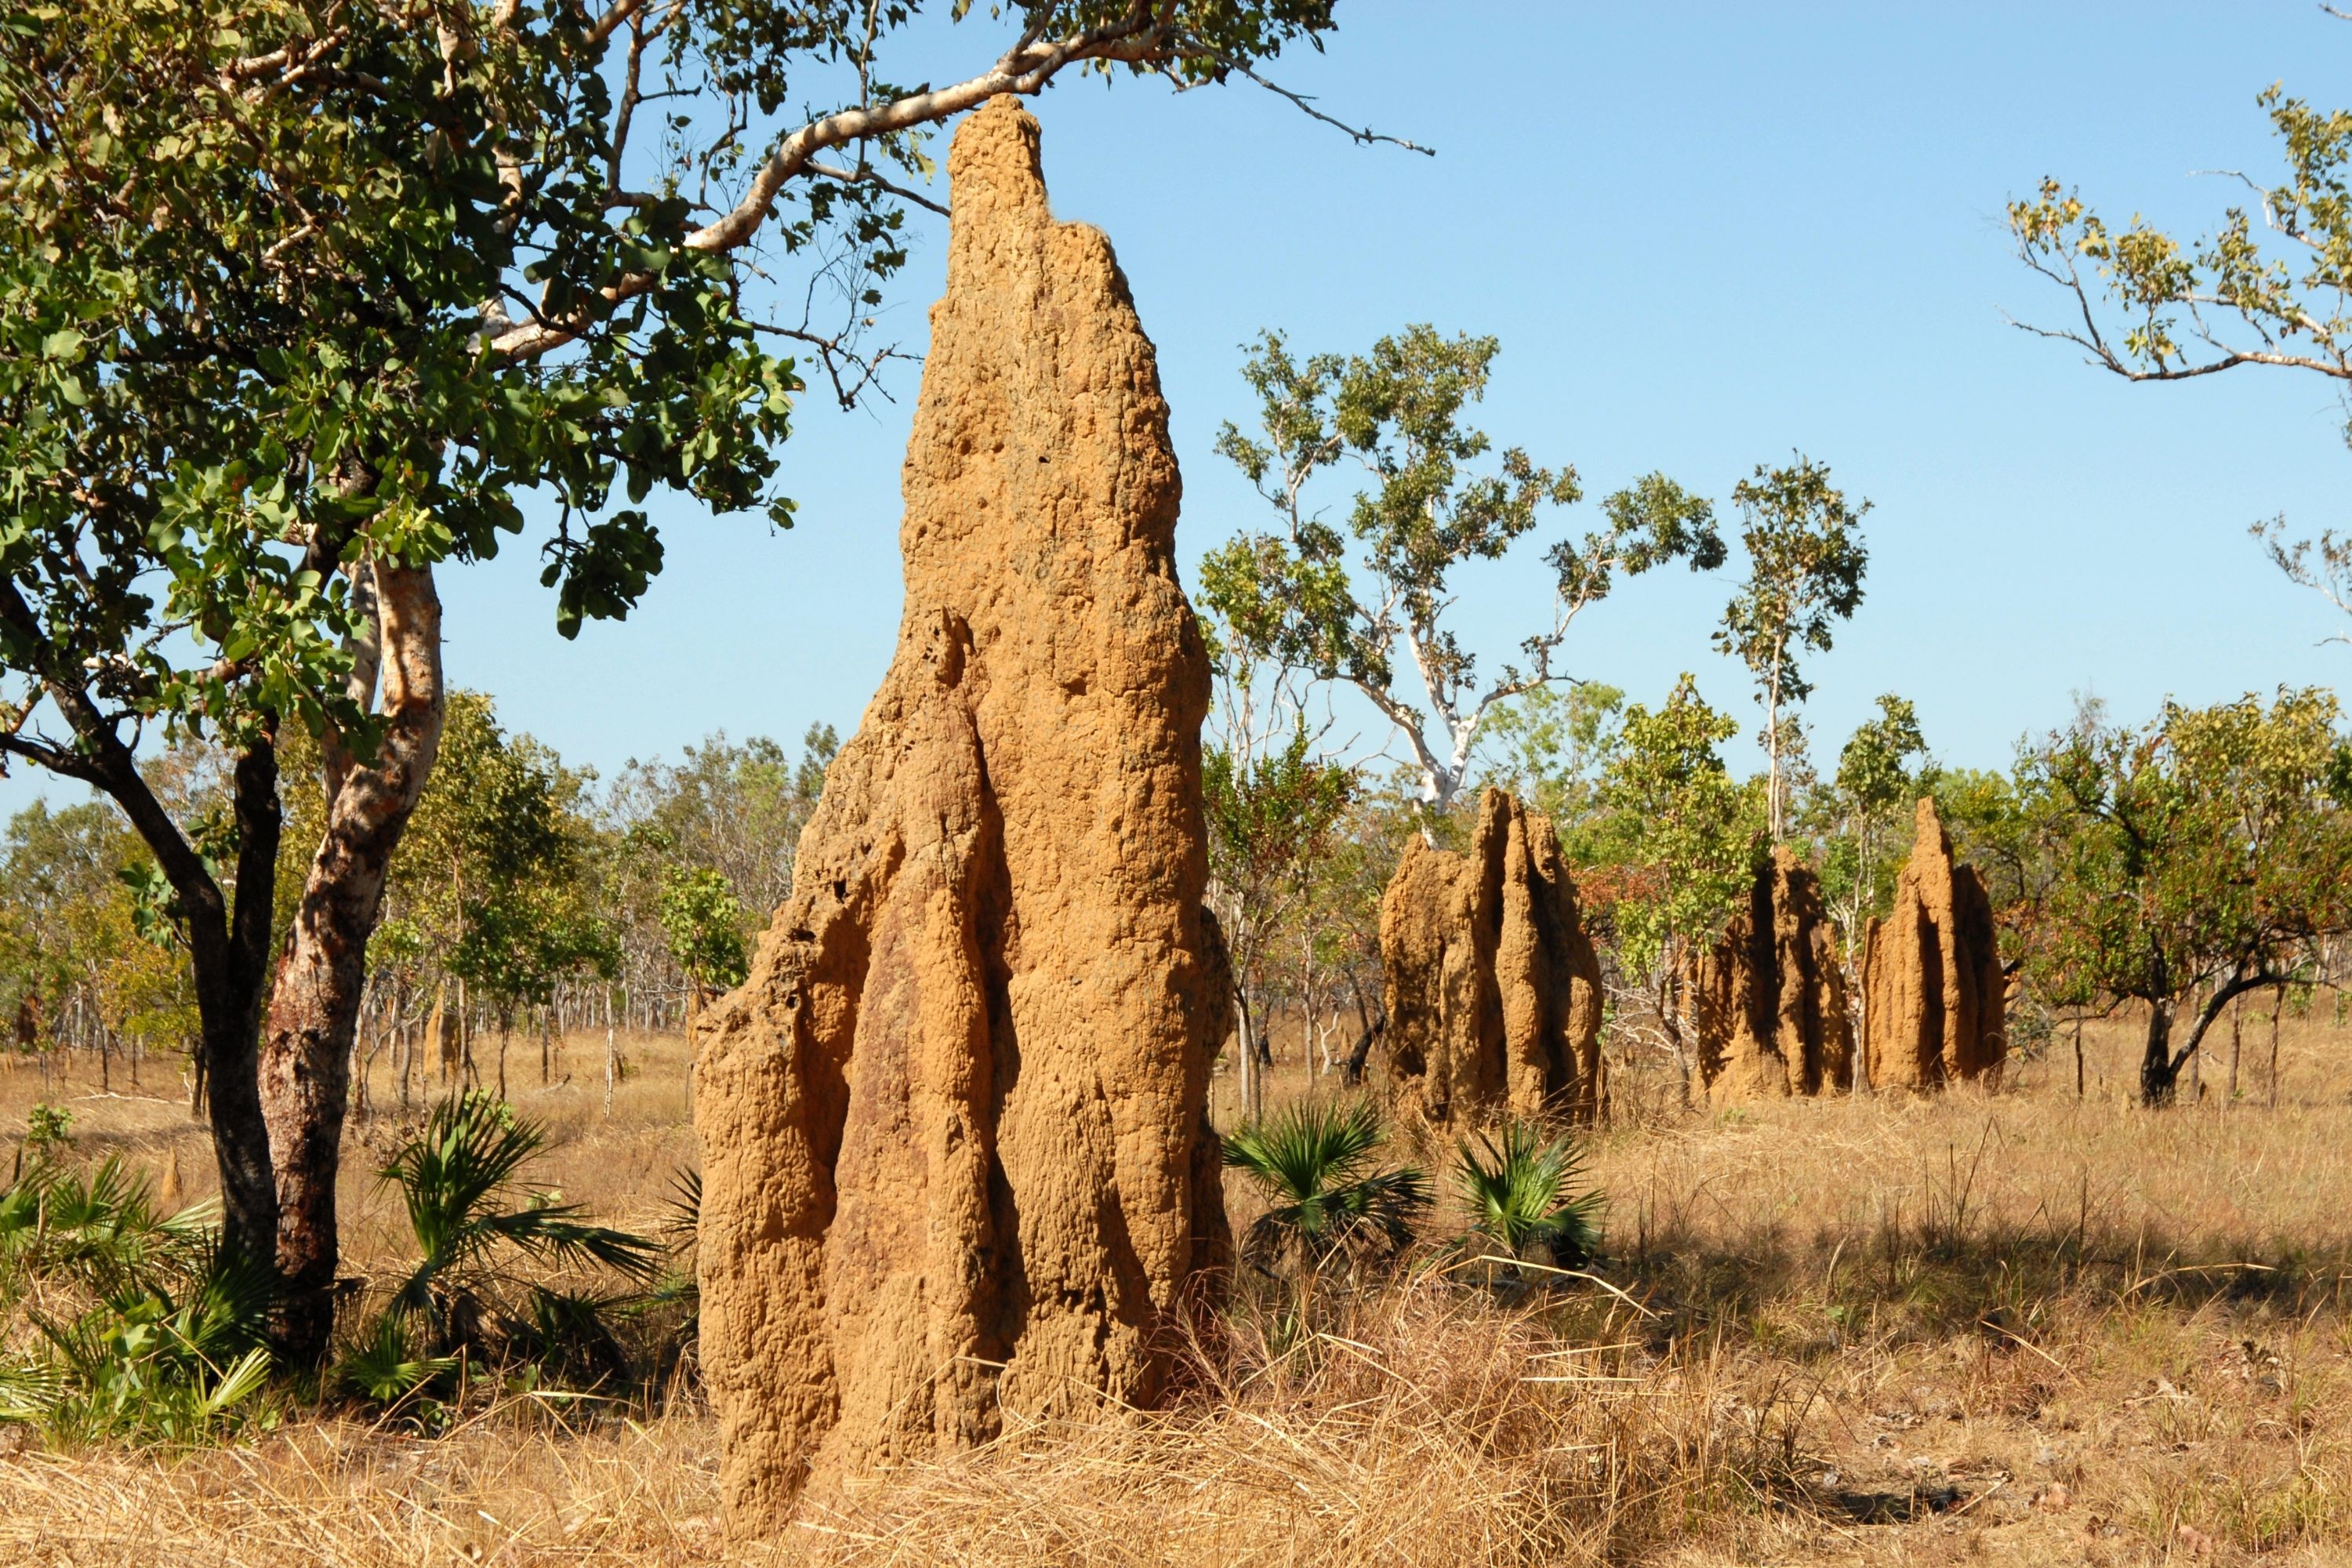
(102, 1227)
(172, 1351)
(473, 1219)
(1318, 1163)
(1523, 1196)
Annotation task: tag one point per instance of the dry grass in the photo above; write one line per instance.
(2013, 1328)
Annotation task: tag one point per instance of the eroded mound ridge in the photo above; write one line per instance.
(1934, 997)
(1767, 1004)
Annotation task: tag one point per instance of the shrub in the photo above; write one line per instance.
(1318, 1164)
(1522, 1196)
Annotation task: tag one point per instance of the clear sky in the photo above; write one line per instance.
(1705, 235)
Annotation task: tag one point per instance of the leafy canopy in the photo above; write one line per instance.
(1430, 506)
(1690, 830)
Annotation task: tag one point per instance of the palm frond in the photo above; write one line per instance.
(387, 1368)
(1317, 1165)
(1522, 1193)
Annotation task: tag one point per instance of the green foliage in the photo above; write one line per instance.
(1523, 1194)
(2204, 850)
(46, 1127)
(1686, 834)
(1805, 564)
(493, 865)
(387, 1368)
(1268, 820)
(89, 934)
(2270, 292)
(1864, 808)
(1318, 1164)
(161, 1338)
(1552, 746)
(705, 925)
(2282, 281)
(251, 262)
(99, 1227)
(474, 1224)
(1291, 597)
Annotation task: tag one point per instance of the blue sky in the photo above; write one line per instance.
(1705, 235)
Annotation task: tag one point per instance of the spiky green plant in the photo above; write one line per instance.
(172, 1354)
(472, 1216)
(476, 1223)
(101, 1226)
(1523, 1194)
(387, 1368)
(1319, 1163)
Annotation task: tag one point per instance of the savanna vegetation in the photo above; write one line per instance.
(350, 1198)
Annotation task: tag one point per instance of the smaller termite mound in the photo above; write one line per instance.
(1767, 1004)
(1934, 1007)
(1493, 989)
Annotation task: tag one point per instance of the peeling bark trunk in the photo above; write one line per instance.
(314, 1014)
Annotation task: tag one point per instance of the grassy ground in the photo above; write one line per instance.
(2010, 1328)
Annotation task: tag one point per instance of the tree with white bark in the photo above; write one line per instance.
(1805, 564)
(1291, 595)
(2269, 286)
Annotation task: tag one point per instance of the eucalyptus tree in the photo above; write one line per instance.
(2268, 286)
(1875, 778)
(1269, 820)
(1805, 564)
(1685, 838)
(1291, 595)
(301, 301)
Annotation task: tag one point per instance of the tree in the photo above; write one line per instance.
(298, 302)
(1805, 561)
(1551, 747)
(1289, 595)
(2204, 852)
(2155, 310)
(2324, 565)
(736, 809)
(1864, 807)
(1268, 822)
(705, 925)
(1687, 833)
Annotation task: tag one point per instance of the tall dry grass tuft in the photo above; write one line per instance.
(1421, 1423)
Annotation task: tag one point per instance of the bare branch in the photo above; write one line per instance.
(864, 175)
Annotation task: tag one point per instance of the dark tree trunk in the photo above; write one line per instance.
(2157, 1072)
(1352, 1071)
(229, 947)
(232, 983)
(314, 1014)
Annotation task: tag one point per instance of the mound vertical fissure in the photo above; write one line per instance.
(1767, 1004)
(1935, 1003)
(956, 1158)
(1493, 989)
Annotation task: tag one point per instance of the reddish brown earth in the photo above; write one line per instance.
(1767, 1004)
(1935, 1009)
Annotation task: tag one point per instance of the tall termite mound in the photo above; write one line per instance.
(1934, 999)
(1494, 991)
(955, 1150)
(1767, 1004)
